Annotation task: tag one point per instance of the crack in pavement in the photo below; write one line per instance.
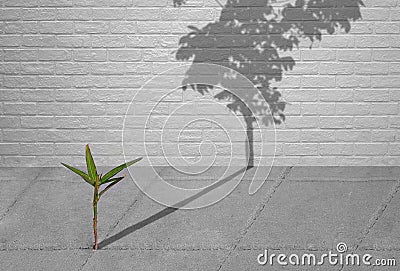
(256, 213)
(375, 217)
(20, 195)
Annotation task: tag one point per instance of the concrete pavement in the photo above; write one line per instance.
(46, 221)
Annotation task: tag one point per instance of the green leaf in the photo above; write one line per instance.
(80, 173)
(114, 182)
(91, 167)
(116, 170)
(114, 179)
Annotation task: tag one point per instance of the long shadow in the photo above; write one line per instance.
(168, 210)
(251, 37)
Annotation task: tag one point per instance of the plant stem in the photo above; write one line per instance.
(95, 200)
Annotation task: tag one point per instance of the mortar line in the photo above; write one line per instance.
(20, 195)
(256, 213)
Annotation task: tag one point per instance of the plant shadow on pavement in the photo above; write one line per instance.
(251, 37)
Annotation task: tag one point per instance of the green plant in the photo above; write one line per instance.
(96, 180)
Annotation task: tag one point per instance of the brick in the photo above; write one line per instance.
(20, 135)
(318, 109)
(72, 95)
(303, 122)
(370, 122)
(102, 3)
(9, 95)
(144, 14)
(54, 55)
(336, 149)
(384, 136)
(375, 14)
(336, 95)
(21, 3)
(73, 41)
(395, 14)
(37, 149)
(384, 109)
(10, 122)
(21, 55)
(109, 122)
(318, 82)
(317, 136)
(386, 55)
(336, 68)
(156, 55)
(394, 149)
(342, 41)
(54, 109)
(21, 27)
(353, 81)
(56, 27)
(40, 14)
(394, 122)
(370, 149)
(371, 68)
(37, 68)
(113, 41)
(352, 109)
(10, 41)
(71, 122)
(36, 122)
(301, 149)
(20, 81)
(387, 28)
(124, 55)
(354, 55)
(385, 81)
(37, 95)
(54, 82)
(108, 68)
(353, 136)
(91, 27)
(372, 41)
(70, 68)
(9, 149)
(39, 41)
(9, 68)
(90, 81)
(108, 13)
(336, 122)
(58, 3)
(89, 55)
(395, 41)
(74, 14)
(87, 109)
(368, 95)
(10, 14)
(123, 27)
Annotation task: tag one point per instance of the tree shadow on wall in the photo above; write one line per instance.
(250, 37)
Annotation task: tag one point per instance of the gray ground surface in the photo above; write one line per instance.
(46, 221)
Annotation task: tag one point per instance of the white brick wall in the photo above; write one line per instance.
(69, 68)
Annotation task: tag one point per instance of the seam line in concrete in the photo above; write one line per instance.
(256, 213)
(20, 195)
(378, 214)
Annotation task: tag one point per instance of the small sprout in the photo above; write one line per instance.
(96, 180)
